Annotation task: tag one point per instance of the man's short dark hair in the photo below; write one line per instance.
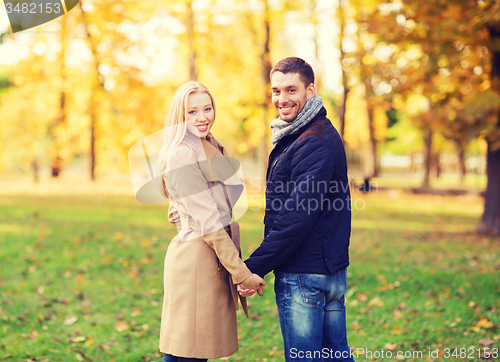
(295, 65)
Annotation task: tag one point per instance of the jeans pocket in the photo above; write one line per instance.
(280, 286)
(337, 288)
(312, 288)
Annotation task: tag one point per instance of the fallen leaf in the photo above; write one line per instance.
(390, 346)
(485, 342)
(385, 287)
(396, 331)
(79, 357)
(120, 326)
(133, 273)
(79, 339)
(485, 323)
(398, 314)
(375, 301)
(361, 297)
(356, 325)
(70, 320)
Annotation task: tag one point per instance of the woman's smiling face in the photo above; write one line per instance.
(200, 115)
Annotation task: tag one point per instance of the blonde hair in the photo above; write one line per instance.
(175, 127)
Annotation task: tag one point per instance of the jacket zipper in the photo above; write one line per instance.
(276, 161)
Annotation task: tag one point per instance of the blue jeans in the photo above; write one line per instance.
(312, 316)
(170, 358)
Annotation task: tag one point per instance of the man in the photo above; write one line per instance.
(307, 220)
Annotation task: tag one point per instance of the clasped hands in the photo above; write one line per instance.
(250, 285)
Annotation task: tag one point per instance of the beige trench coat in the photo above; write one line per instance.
(202, 264)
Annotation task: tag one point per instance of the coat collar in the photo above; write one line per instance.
(209, 146)
(212, 147)
(214, 156)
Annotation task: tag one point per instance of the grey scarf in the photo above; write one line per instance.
(281, 128)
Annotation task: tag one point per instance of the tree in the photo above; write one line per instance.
(453, 45)
(61, 120)
(490, 221)
(345, 86)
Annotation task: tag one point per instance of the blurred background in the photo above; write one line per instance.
(413, 88)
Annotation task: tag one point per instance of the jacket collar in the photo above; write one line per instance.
(290, 138)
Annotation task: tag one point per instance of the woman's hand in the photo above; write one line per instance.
(248, 292)
(251, 284)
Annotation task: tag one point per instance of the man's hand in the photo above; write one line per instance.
(251, 285)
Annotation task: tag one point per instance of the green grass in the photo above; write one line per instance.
(472, 182)
(419, 278)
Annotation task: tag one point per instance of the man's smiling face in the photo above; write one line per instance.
(290, 94)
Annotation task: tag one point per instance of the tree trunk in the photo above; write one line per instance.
(56, 160)
(437, 158)
(370, 106)
(342, 108)
(265, 58)
(490, 222)
(36, 174)
(318, 66)
(428, 158)
(93, 122)
(93, 97)
(461, 161)
(193, 75)
(56, 165)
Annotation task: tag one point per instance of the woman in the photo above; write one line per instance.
(203, 263)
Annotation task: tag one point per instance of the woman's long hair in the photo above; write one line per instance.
(175, 127)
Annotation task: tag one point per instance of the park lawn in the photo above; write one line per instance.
(81, 279)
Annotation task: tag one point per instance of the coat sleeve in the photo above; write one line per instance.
(312, 165)
(192, 191)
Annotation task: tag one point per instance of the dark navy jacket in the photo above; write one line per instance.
(308, 210)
